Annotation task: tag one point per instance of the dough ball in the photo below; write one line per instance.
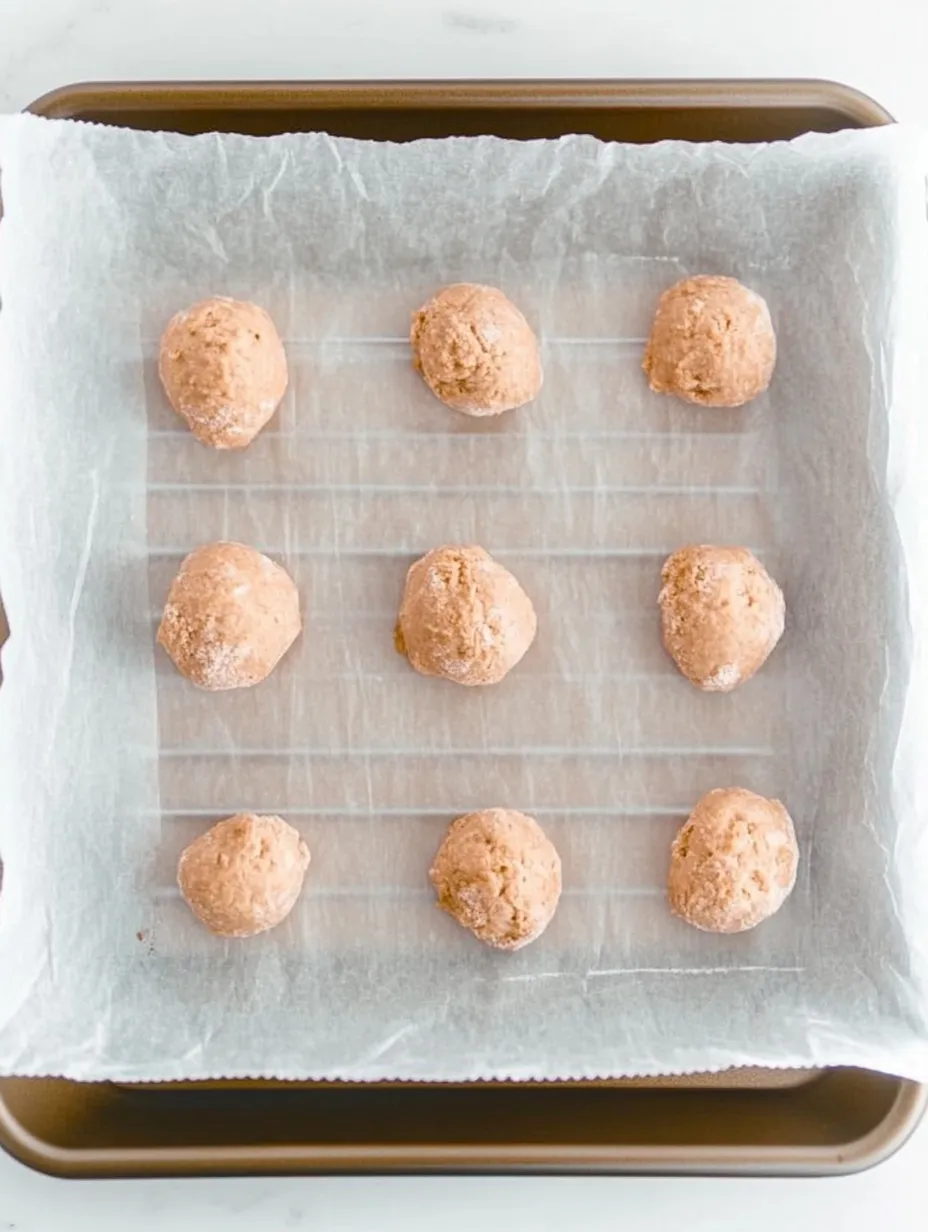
(476, 350)
(243, 876)
(734, 861)
(721, 615)
(499, 875)
(223, 369)
(712, 342)
(464, 617)
(231, 615)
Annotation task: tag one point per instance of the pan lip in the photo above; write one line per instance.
(511, 93)
(873, 1148)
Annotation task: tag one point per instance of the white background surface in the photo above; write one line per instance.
(877, 47)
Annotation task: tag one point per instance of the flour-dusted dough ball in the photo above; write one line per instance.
(231, 615)
(476, 350)
(721, 615)
(499, 875)
(223, 369)
(464, 617)
(243, 876)
(712, 342)
(734, 861)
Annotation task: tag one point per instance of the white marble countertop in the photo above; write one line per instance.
(880, 49)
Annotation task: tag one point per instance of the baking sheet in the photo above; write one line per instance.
(111, 762)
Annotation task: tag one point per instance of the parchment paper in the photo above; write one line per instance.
(110, 762)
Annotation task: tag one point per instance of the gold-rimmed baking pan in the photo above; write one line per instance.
(738, 1122)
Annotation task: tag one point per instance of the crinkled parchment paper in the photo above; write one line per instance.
(110, 763)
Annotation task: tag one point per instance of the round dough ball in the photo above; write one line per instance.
(243, 876)
(223, 369)
(712, 342)
(231, 615)
(499, 875)
(476, 350)
(721, 615)
(464, 617)
(734, 861)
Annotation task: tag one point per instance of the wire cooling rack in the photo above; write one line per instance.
(582, 495)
